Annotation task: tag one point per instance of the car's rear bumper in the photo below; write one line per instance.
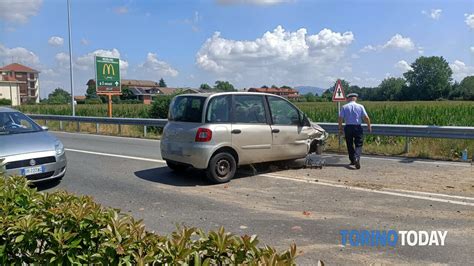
(195, 154)
(53, 170)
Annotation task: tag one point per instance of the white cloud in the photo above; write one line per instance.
(86, 62)
(461, 70)
(472, 49)
(252, 2)
(84, 41)
(56, 41)
(368, 48)
(433, 13)
(279, 56)
(121, 10)
(15, 11)
(403, 66)
(156, 67)
(62, 59)
(400, 42)
(18, 54)
(396, 42)
(469, 20)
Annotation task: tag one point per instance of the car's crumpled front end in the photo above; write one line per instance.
(317, 137)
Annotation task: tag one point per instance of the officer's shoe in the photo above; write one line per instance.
(352, 162)
(357, 164)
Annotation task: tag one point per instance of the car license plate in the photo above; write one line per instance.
(32, 170)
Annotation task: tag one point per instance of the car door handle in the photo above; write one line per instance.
(236, 131)
(275, 130)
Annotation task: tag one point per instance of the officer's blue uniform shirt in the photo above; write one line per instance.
(353, 113)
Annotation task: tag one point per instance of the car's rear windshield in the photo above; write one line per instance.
(187, 108)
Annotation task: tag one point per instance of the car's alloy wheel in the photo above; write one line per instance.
(222, 167)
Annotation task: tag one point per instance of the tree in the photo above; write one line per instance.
(264, 87)
(59, 96)
(463, 90)
(127, 94)
(390, 89)
(205, 87)
(162, 83)
(224, 86)
(310, 97)
(429, 78)
(274, 87)
(91, 92)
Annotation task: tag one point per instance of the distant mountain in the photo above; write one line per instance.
(306, 89)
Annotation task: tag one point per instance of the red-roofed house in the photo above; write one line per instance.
(289, 93)
(29, 86)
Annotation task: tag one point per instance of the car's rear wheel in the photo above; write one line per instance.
(176, 166)
(222, 168)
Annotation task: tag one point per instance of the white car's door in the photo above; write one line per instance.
(289, 139)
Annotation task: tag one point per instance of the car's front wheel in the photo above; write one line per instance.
(176, 166)
(222, 168)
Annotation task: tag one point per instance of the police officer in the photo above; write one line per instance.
(352, 114)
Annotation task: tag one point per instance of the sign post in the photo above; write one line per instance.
(339, 96)
(107, 78)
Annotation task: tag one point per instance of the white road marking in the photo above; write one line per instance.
(375, 191)
(118, 156)
(105, 136)
(399, 193)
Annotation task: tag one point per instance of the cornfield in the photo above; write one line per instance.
(447, 113)
(98, 110)
(443, 113)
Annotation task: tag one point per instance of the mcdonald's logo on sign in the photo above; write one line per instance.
(109, 68)
(107, 75)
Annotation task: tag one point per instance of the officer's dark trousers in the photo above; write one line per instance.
(354, 140)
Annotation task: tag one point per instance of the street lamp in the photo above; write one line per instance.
(70, 58)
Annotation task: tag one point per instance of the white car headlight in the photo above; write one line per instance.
(59, 147)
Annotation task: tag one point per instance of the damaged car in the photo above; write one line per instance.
(221, 131)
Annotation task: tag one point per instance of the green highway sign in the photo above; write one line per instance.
(107, 75)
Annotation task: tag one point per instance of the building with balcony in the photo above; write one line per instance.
(28, 78)
(286, 92)
(10, 89)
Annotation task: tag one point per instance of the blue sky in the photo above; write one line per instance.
(248, 42)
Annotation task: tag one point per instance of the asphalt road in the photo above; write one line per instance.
(308, 207)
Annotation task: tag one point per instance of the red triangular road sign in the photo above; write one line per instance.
(338, 94)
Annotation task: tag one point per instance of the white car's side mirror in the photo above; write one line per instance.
(45, 128)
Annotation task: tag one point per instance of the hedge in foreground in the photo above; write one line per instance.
(61, 228)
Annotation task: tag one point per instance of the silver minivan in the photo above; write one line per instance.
(221, 131)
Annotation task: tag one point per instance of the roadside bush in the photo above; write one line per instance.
(5, 102)
(60, 228)
(93, 101)
(159, 107)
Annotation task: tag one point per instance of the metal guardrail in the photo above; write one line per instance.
(449, 132)
(145, 122)
(407, 131)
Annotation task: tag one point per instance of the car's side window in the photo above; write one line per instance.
(283, 113)
(249, 109)
(218, 110)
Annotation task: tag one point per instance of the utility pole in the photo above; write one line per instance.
(70, 58)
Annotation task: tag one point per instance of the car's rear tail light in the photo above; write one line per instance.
(203, 135)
